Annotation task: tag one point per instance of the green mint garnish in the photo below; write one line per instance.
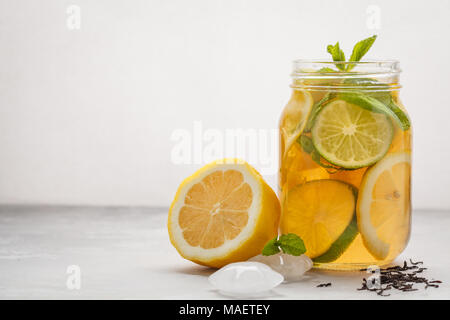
(271, 247)
(382, 94)
(326, 70)
(306, 143)
(288, 243)
(381, 104)
(359, 50)
(377, 101)
(337, 54)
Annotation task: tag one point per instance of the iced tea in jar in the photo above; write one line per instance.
(345, 163)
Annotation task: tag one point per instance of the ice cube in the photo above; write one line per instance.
(291, 267)
(245, 279)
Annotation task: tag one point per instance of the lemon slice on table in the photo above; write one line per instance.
(223, 213)
(383, 206)
(294, 118)
(319, 212)
(351, 137)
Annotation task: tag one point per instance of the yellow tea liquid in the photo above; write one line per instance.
(309, 214)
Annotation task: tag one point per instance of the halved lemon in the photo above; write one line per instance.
(319, 212)
(351, 137)
(294, 117)
(223, 213)
(383, 207)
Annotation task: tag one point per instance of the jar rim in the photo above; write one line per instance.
(348, 62)
(318, 67)
(383, 73)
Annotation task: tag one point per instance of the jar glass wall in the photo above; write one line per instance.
(345, 163)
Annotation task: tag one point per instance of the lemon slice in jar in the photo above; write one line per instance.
(320, 212)
(349, 136)
(294, 118)
(383, 206)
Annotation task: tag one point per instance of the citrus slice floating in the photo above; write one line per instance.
(294, 118)
(319, 212)
(223, 213)
(340, 245)
(383, 207)
(351, 137)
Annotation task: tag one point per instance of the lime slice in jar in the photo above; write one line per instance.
(351, 137)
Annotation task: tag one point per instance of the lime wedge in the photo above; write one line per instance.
(351, 137)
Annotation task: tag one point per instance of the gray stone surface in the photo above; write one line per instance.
(125, 253)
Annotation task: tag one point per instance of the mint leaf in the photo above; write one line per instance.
(366, 82)
(292, 244)
(373, 104)
(337, 54)
(366, 102)
(306, 143)
(401, 117)
(360, 49)
(271, 247)
(326, 70)
(383, 95)
(382, 90)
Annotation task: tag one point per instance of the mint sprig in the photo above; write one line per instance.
(288, 243)
(337, 54)
(375, 105)
(359, 50)
(378, 101)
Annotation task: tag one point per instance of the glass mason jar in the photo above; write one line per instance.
(345, 163)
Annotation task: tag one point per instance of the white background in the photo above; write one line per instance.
(86, 116)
